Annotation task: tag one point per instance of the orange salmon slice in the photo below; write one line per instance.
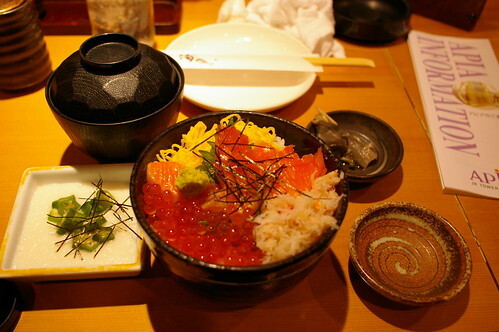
(164, 173)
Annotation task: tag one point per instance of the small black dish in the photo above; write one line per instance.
(115, 95)
(372, 21)
(236, 285)
(10, 305)
(384, 138)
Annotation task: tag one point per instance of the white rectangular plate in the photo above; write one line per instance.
(29, 249)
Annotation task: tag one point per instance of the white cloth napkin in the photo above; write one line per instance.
(311, 21)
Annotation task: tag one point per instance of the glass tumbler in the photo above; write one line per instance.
(132, 17)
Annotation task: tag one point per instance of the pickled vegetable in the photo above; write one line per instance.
(84, 224)
(357, 151)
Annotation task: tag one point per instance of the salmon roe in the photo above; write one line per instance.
(211, 235)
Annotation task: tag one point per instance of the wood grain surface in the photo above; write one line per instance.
(333, 297)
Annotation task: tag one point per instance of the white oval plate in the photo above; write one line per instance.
(263, 91)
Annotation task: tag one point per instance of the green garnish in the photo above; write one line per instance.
(207, 165)
(191, 182)
(85, 225)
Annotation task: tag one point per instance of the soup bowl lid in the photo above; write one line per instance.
(113, 78)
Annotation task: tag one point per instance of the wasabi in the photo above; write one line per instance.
(192, 182)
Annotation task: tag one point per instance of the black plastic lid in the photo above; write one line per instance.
(111, 53)
(112, 79)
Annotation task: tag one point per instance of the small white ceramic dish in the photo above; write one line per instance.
(29, 250)
(261, 91)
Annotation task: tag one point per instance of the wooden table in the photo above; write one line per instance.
(332, 297)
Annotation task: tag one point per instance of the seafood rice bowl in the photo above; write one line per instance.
(238, 205)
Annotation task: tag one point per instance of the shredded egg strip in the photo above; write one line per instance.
(198, 138)
(182, 153)
(256, 135)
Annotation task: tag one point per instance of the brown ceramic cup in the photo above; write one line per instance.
(24, 58)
